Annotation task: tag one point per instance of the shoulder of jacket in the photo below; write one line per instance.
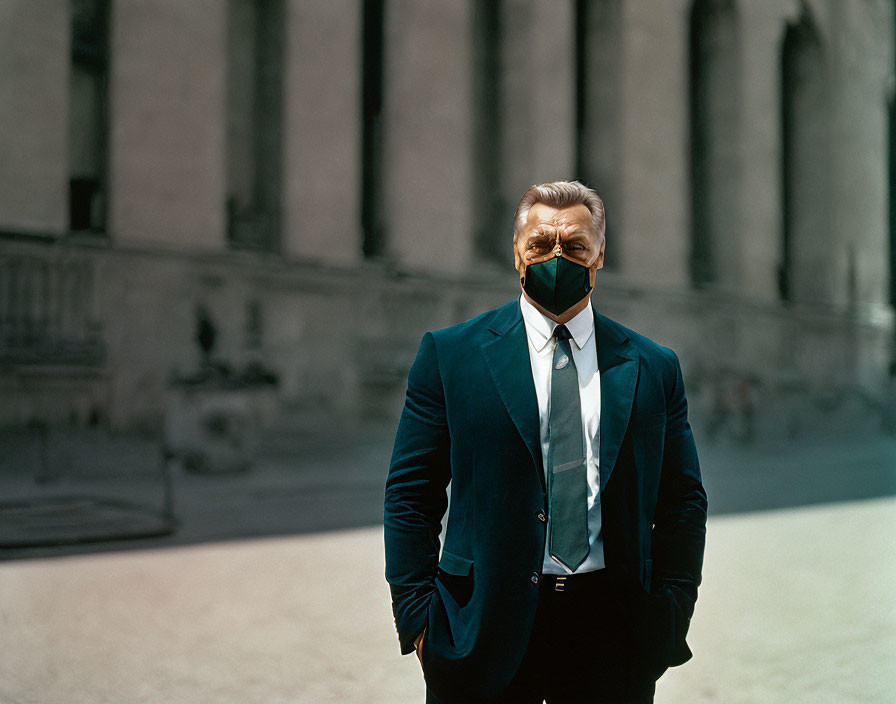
(472, 326)
(645, 346)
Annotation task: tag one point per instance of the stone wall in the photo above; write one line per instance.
(555, 92)
(34, 82)
(342, 339)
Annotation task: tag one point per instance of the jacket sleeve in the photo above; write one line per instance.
(415, 497)
(679, 531)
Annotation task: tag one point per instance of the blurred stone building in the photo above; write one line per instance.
(328, 179)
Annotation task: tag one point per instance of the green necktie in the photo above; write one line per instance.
(567, 480)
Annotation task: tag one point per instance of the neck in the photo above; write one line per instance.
(566, 315)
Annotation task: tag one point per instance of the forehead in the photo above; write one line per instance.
(543, 216)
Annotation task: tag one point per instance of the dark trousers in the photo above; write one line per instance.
(582, 649)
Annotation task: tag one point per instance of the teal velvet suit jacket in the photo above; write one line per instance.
(471, 417)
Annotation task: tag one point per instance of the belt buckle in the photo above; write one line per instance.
(560, 583)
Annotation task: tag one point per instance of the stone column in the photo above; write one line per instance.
(807, 108)
(762, 27)
(653, 162)
(601, 114)
(716, 146)
(537, 98)
(428, 134)
(168, 129)
(861, 65)
(322, 130)
(35, 57)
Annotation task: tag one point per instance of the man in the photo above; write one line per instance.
(574, 543)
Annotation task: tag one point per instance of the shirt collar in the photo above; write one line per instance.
(540, 328)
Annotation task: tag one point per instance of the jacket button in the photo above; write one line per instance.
(534, 578)
(541, 517)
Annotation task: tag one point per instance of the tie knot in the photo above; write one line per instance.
(561, 333)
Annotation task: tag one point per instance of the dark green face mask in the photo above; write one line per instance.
(557, 284)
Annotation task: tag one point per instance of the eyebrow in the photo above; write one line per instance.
(548, 231)
(567, 238)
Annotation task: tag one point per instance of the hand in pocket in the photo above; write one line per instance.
(418, 645)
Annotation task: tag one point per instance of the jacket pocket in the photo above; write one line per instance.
(455, 564)
(654, 630)
(456, 576)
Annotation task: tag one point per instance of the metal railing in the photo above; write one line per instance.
(48, 306)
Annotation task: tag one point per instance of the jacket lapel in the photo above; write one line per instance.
(507, 355)
(618, 367)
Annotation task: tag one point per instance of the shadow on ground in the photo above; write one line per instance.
(102, 492)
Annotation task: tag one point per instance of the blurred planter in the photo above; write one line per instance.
(213, 419)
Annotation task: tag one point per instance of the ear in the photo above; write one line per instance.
(599, 262)
(517, 260)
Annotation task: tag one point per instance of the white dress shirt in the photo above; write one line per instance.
(539, 333)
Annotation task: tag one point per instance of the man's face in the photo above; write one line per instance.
(548, 227)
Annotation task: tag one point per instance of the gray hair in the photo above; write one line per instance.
(562, 194)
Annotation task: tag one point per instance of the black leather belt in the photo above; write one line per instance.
(571, 582)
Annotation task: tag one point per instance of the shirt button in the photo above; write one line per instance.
(541, 517)
(534, 578)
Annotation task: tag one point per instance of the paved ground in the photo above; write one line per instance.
(798, 603)
(797, 606)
